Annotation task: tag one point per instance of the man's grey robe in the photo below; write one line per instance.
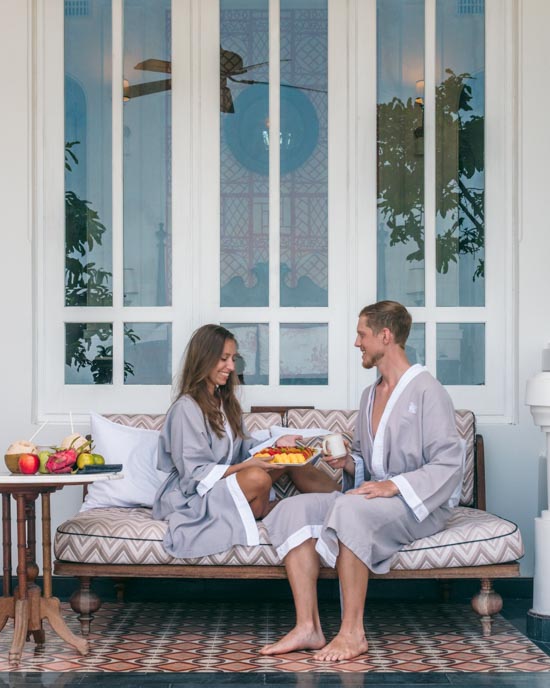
(417, 447)
(206, 512)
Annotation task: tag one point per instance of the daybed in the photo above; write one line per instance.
(125, 542)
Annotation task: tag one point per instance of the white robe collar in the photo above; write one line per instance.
(378, 471)
(229, 434)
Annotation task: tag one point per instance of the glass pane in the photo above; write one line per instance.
(460, 164)
(304, 153)
(244, 151)
(148, 353)
(253, 341)
(147, 153)
(304, 354)
(415, 347)
(88, 221)
(88, 353)
(461, 353)
(400, 140)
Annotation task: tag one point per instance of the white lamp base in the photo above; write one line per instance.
(538, 618)
(538, 627)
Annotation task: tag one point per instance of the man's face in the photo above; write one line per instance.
(370, 344)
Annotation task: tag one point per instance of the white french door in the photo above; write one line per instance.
(392, 177)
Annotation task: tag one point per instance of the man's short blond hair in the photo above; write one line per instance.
(390, 314)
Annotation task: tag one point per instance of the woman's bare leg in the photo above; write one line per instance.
(302, 567)
(256, 484)
(351, 640)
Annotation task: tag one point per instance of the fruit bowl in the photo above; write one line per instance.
(12, 462)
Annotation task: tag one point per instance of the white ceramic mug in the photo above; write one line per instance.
(334, 445)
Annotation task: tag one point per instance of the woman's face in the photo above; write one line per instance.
(224, 367)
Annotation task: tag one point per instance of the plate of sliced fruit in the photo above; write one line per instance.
(290, 456)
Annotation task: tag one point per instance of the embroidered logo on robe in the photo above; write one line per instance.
(413, 407)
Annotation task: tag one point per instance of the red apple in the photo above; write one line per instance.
(29, 463)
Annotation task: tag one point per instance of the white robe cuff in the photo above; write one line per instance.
(245, 512)
(324, 552)
(296, 539)
(359, 478)
(412, 500)
(207, 483)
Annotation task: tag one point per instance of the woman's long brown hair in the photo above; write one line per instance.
(203, 352)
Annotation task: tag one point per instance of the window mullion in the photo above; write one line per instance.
(429, 168)
(429, 184)
(185, 239)
(118, 190)
(274, 182)
(362, 198)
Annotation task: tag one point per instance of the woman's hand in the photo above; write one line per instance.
(288, 440)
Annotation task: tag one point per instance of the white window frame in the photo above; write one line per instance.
(196, 209)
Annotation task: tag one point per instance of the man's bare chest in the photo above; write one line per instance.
(380, 400)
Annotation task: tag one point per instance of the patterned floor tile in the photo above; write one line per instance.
(177, 639)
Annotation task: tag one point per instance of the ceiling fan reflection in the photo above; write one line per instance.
(231, 66)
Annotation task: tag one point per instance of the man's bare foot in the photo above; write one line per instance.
(343, 646)
(299, 638)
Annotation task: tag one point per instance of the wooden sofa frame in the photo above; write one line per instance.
(486, 603)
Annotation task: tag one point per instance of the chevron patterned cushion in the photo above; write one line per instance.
(138, 420)
(471, 538)
(344, 422)
(252, 421)
(130, 536)
(256, 422)
(334, 420)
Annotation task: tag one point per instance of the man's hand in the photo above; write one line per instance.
(345, 462)
(371, 488)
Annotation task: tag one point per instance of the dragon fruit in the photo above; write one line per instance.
(61, 461)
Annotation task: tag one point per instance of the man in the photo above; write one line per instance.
(400, 482)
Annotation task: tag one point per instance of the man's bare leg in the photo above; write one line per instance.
(351, 640)
(311, 479)
(302, 566)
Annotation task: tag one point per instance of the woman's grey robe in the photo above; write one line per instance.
(206, 512)
(417, 447)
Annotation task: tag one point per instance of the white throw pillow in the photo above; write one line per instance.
(136, 449)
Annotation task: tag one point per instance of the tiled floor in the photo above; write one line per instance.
(172, 644)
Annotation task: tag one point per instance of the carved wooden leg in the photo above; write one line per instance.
(50, 609)
(6, 544)
(34, 628)
(19, 631)
(445, 587)
(120, 586)
(487, 603)
(85, 602)
(7, 610)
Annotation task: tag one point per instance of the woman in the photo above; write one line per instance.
(212, 497)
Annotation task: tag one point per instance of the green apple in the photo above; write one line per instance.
(43, 456)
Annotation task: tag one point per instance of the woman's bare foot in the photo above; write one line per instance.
(299, 638)
(343, 646)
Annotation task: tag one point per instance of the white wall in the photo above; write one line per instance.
(16, 254)
(515, 485)
(515, 472)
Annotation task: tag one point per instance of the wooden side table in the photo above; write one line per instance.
(28, 605)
